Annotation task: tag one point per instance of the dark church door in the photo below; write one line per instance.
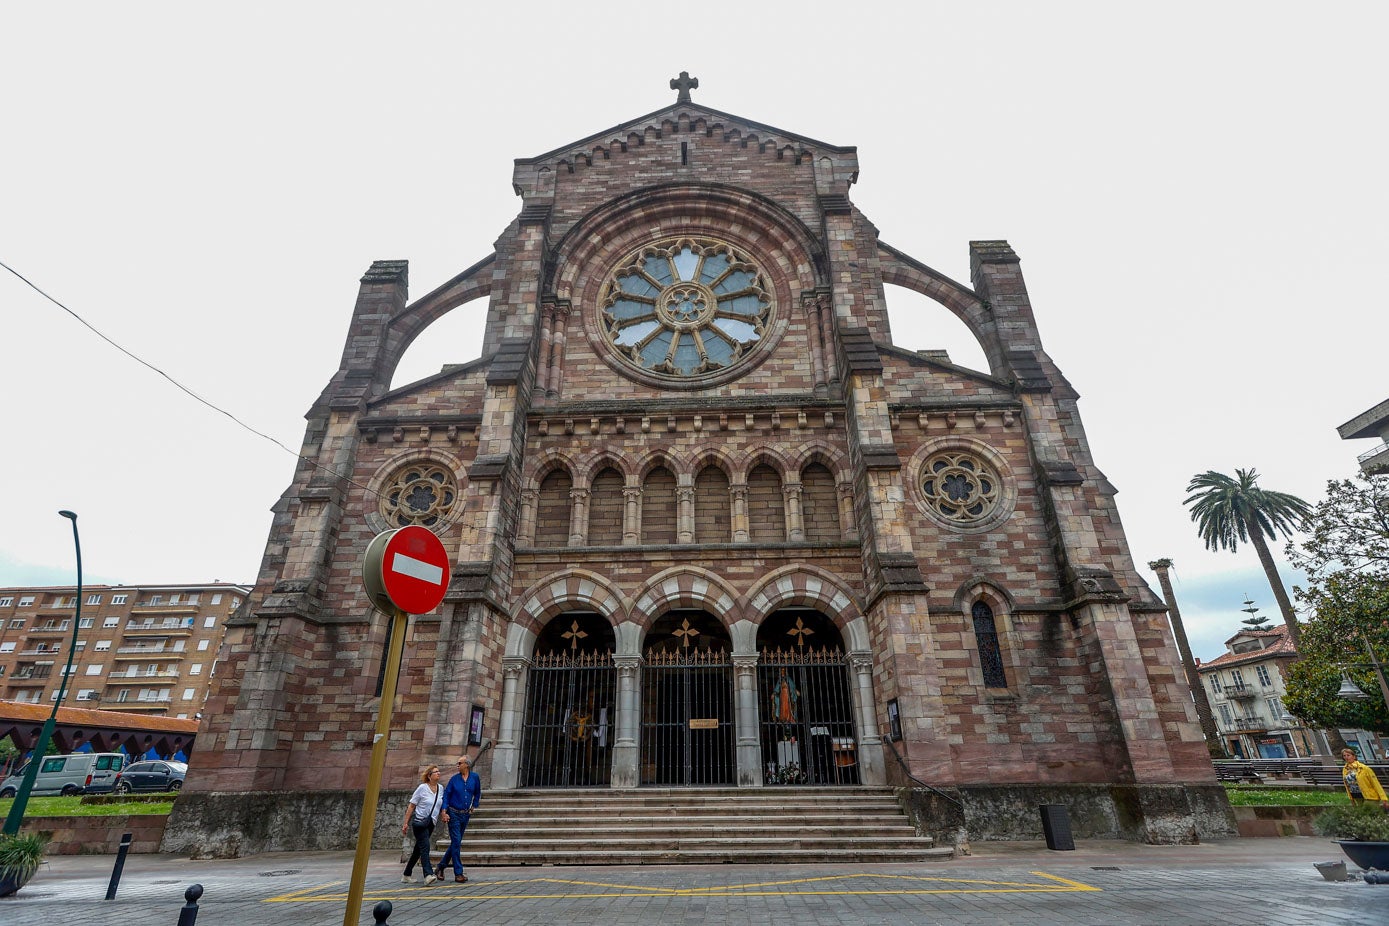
(687, 729)
(570, 706)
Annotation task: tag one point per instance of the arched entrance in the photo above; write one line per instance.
(687, 716)
(567, 734)
(806, 702)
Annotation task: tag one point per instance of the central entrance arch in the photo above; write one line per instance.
(687, 715)
(570, 704)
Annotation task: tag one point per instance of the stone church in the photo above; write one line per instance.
(709, 525)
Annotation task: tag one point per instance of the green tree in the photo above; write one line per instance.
(1229, 511)
(1255, 620)
(1346, 558)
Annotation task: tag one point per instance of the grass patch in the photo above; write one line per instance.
(1263, 796)
(73, 807)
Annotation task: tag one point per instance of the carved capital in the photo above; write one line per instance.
(861, 662)
(745, 663)
(578, 495)
(740, 492)
(513, 666)
(627, 667)
(631, 493)
(685, 493)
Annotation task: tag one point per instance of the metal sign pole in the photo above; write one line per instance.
(352, 914)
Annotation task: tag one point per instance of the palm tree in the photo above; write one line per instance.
(1228, 511)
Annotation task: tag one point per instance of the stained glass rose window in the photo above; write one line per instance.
(959, 486)
(422, 493)
(686, 307)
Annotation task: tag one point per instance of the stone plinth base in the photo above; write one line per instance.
(230, 825)
(1157, 814)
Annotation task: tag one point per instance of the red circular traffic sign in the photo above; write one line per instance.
(407, 568)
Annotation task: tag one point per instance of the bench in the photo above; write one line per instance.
(1236, 770)
(1324, 775)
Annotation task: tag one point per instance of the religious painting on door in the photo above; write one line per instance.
(570, 704)
(803, 681)
(687, 725)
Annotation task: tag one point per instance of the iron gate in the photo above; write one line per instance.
(687, 721)
(807, 715)
(569, 721)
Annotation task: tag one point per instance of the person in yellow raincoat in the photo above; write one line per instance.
(1361, 783)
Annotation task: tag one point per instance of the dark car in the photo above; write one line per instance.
(156, 775)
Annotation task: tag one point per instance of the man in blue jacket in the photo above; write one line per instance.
(461, 797)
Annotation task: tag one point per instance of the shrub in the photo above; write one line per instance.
(1361, 823)
(20, 856)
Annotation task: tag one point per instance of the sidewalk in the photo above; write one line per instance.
(1231, 882)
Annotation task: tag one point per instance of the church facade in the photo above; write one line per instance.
(709, 526)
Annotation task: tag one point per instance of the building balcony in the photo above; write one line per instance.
(180, 628)
(145, 652)
(29, 680)
(1251, 725)
(164, 608)
(1376, 460)
(1243, 692)
(159, 678)
(50, 628)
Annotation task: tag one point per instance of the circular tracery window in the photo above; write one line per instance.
(686, 307)
(422, 493)
(960, 487)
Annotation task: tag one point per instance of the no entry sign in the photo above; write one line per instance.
(406, 568)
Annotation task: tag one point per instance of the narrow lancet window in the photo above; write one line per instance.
(986, 638)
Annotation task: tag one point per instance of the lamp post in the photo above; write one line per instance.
(21, 800)
(1351, 691)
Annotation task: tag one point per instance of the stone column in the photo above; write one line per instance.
(848, 521)
(626, 747)
(530, 502)
(738, 493)
(555, 375)
(631, 515)
(685, 516)
(578, 517)
(745, 719)
(506, 772)
(795, 518)
(871, 761)
(811, 305)
(547, 326)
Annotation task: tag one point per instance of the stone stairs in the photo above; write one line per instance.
(649, 826)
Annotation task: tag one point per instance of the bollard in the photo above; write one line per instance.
(189, 914)
(381, 912)
(120, 864)
(1056, 826)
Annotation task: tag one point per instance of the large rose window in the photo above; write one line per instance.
(421, 493)
(960, 487)
(686, 307)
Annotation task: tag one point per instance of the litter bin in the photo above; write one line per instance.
(1056, 826)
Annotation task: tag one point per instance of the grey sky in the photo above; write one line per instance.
(1196, 191)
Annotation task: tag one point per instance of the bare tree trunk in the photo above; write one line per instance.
(1256, 537)
(1214, 744)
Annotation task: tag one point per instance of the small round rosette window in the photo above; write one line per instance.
(960, 487)
(421, 494)
(685, 308)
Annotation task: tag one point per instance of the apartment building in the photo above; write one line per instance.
(1245, 688)
(146, 648)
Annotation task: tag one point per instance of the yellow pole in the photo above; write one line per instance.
(352, 914)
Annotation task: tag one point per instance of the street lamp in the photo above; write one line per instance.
(21, 800)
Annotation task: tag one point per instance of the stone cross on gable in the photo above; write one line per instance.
(574, 635)
(684, 83)
(685, 632)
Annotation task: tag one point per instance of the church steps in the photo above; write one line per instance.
(691, 825)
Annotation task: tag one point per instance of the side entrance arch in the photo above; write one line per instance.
(687, 706)
(805, 689)
(567, 733)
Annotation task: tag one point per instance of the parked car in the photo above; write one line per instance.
(154, 775)
(75, 773)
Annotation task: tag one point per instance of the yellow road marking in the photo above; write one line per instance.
(801, 887)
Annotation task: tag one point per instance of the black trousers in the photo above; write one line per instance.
(423, 833)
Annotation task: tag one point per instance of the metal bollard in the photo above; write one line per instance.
(189, 914)
(381, 912)
(120, 864)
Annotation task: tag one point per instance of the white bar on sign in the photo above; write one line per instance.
(417, 569)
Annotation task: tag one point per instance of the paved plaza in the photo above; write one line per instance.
(1229, 882)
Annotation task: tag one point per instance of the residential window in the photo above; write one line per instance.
(26, 601)
(111, 622)
(178, 646)
(123, 694)
(193, 599)
(17, 624)
(1225, 714)
(86, 694)
(81, 645)
(216, 599)
(188, 693)
(102, 646)
(1275, 709)
(6, 602)
(156, 599)
(173, 599)
(1262, 672)
(86, 622)
(209, 622)
(203, 644)
(119, 599)
(195, 669)
(6, 647)
(1236, 679)
(93, 670)
(986, 639)
(93, 599)
(235, 603)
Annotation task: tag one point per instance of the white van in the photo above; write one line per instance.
(77, 773)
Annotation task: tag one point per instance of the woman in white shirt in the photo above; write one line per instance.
(426, 804)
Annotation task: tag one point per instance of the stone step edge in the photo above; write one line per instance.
(702, 856)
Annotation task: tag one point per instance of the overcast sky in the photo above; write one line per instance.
(1196, 191)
